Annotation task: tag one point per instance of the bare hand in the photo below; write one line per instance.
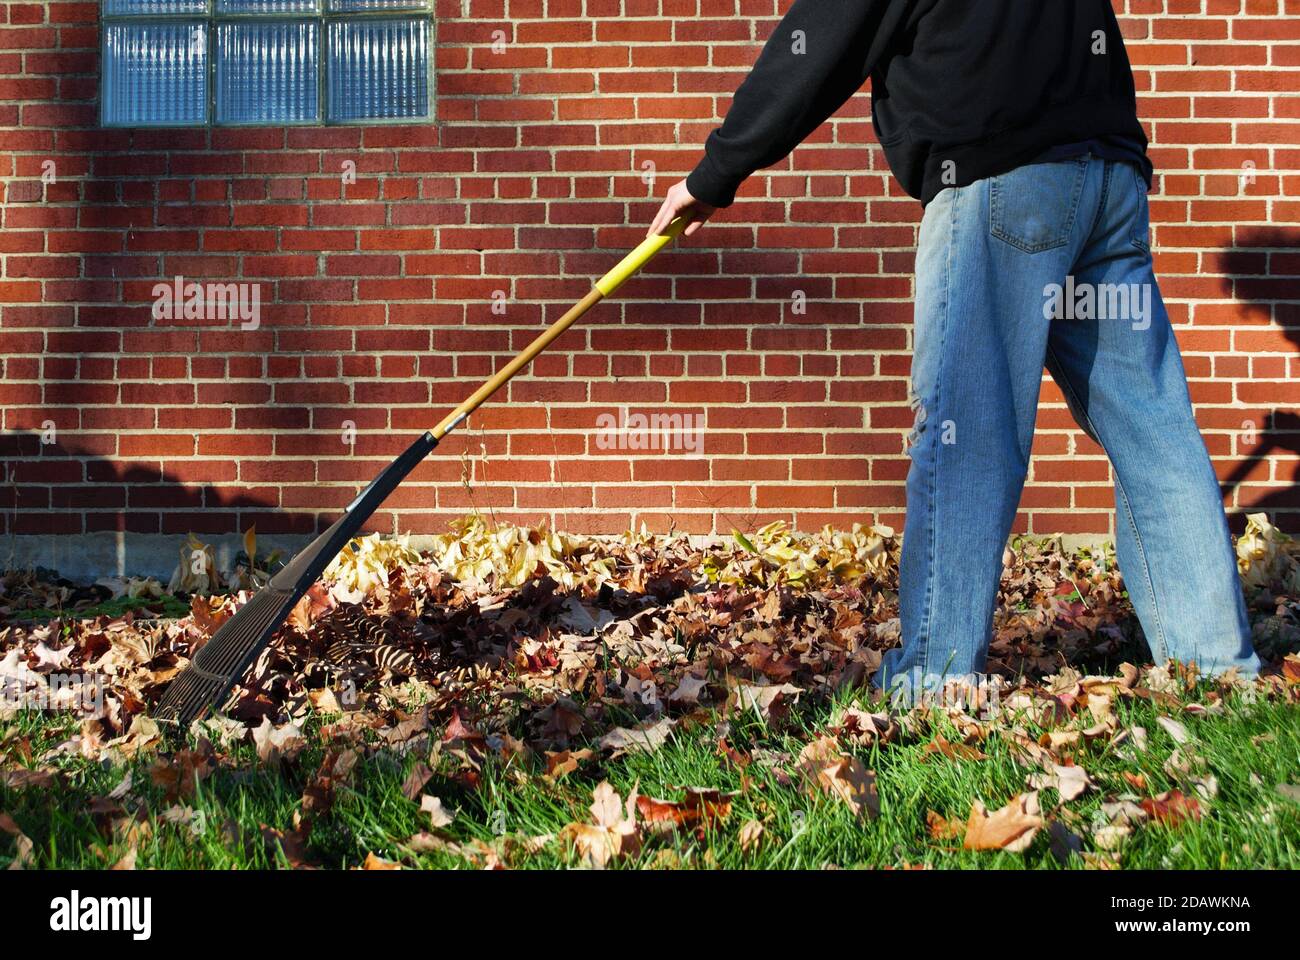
(680, 203)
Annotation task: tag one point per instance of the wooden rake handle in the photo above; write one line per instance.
(605, 286)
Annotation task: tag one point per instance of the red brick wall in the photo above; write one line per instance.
(377, 295)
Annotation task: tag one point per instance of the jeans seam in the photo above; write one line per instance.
(1101, 202)
(1068, 388)
(923, 634)
(1146, 572)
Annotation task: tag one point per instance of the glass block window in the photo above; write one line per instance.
(156, 73)
(169, 63)
(267, 72)
(378, 68)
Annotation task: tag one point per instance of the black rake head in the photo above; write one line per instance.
(224, 659)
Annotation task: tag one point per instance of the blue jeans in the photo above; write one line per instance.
(1050, 265)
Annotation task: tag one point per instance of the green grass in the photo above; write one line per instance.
(168, 605)
(1248, 825)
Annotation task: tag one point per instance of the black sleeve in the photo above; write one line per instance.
(798, 81)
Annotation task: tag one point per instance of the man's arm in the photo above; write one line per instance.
(820, 54)
(816, 59)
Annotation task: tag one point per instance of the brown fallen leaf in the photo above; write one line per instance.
(143, 736)
(220, 729)
(1012, 827)
(42, 778)
(593, 843)
(277, 743)
(180, 775)
(1175, 730)
(770, 609)
(751, 834)
(688, 690)
(953, 751)
(733, 756)
(1068, 780)
(325, 701)
(769, 701)
(373, 862)
(1112, 836)
(426, 842)
(561, 763)
(420, 775)
(1124, 812)
(411, 726)
(512, 848)
(647, 738)
(1060, 741)
(23, 846)
(702, 807)
(291, 843)
(180, 816)
(1291, 668)
(1027, 751)
(613, 835)
(862, 728)
(133, 830)
(1171, 808)
(127, 862)
(940, 827)
(314, 603)
(439, 816)
(318, 794)
(104, 811)
(826, 768)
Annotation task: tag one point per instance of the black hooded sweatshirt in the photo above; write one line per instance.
(960, 89)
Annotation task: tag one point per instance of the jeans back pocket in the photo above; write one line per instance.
(1033, 207)
(1141, 219)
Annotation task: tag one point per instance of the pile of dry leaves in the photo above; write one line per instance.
(511, 623)
(509, 639)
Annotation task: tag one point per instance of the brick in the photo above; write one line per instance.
(377, 295)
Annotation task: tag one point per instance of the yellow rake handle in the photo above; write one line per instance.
(606, 285)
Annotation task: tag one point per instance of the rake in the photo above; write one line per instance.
(223, 660)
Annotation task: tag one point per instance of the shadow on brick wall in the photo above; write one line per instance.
(47, 489)
(1262, 272)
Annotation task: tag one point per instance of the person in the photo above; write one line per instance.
(1014, 122)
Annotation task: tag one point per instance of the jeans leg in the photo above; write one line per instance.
(1124, 377)
(986, 253)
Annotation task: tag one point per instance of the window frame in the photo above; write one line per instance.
(323, 16)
